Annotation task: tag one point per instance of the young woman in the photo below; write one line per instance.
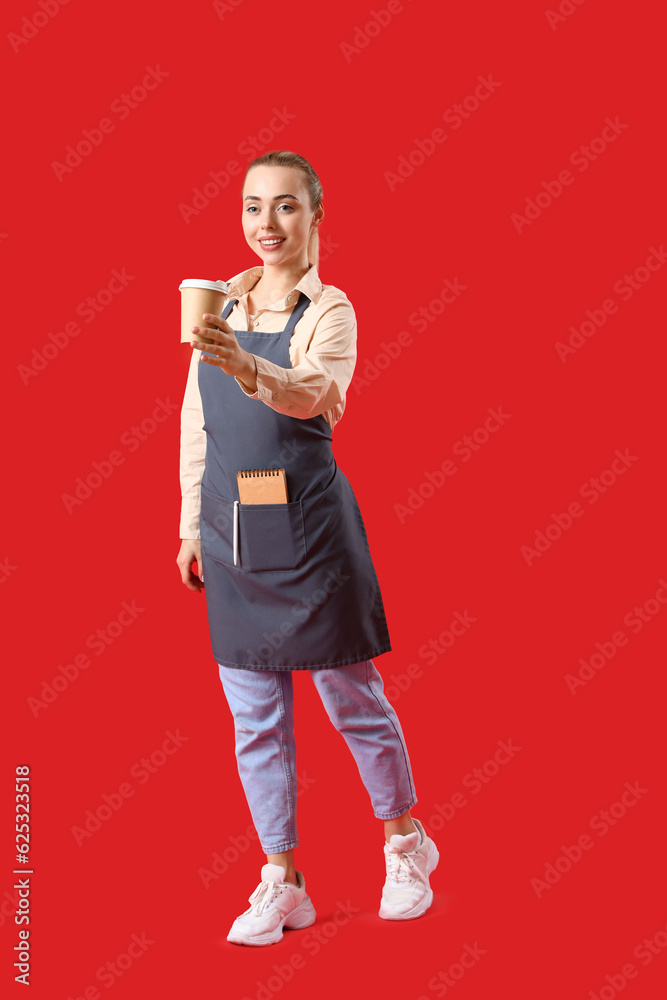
(290, 586)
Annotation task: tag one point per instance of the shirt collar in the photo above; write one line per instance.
(242, 282)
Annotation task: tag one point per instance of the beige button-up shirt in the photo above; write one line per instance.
(323, 353)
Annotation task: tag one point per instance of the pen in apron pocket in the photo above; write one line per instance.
(236, 530)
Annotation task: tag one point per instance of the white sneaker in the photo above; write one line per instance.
(274, 903)
(410, 860)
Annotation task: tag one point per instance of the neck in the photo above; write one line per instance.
(277, 281)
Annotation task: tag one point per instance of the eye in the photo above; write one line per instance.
(285, 205)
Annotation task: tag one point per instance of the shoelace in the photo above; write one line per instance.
(401, 867)
(260, 902)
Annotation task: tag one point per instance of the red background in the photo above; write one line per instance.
(391, 246)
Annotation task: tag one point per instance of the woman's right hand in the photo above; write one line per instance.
(189, 553)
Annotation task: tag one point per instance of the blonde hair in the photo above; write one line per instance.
(285, 158)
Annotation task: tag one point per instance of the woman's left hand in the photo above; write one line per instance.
(229, 355)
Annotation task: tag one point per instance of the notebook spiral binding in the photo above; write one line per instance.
(253, 473)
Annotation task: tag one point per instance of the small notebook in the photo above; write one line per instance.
(262, 486)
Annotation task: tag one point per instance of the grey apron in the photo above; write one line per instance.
(303, 594)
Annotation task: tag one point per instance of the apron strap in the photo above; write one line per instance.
(228, 308)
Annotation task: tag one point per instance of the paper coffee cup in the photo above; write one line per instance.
(199, 296)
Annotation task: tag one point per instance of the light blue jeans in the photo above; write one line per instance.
(262, 701)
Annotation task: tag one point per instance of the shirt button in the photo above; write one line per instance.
(275, 396)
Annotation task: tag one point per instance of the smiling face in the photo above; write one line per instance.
(276, 206)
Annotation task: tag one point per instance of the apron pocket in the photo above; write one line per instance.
(216, 524)
(271, 536)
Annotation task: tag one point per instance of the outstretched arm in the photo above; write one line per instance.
(317, 383)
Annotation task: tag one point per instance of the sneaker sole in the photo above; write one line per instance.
(422, 906)
(302, 916)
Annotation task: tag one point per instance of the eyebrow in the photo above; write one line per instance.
(254, 197)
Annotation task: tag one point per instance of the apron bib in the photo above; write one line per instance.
(303, 594)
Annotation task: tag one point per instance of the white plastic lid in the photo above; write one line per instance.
(214, 286)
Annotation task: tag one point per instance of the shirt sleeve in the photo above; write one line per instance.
(322, 376)
(193, 452)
